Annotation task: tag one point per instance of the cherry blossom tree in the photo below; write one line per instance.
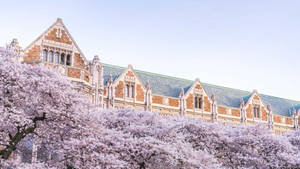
(38, 104)
(35, 102)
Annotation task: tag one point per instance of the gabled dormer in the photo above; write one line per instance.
(196, 98)
(129, 87)
(255, 108)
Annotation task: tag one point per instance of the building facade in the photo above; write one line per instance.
(112, 86)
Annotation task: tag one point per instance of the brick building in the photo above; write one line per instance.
(118, 87)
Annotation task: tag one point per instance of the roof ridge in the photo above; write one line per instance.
(150, 73)
(219, 86)
(204, 83)
(290, 100)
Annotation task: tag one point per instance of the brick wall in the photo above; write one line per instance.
(140, 93)
(190, 102)
(277, 119)
(236, 112)
(64, 37)
(222, 110)
(207, 104)
(173, 102)
(249, 111)
(157, 99)
(288, 120)
(78, 61)
(264, 114)
(74, 73)
(119, 89)
(33, 54)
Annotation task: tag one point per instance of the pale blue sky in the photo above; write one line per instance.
(247, 45)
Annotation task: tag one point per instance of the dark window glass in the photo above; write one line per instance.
(69, 60)
(62, 59)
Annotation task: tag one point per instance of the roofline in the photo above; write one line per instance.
(204, 83)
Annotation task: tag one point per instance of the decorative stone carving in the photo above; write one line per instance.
(243, 112)
(17, 49)
(110, 93)
(270, 117)
(148, 100)
(214, 113)
(182, 102)
(62, 70)
(295, 118)
(96, 71)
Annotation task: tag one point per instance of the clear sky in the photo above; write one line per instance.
(247, 45)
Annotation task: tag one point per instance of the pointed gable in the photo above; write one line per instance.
(128, 76)
(56, 36)
(197, 89)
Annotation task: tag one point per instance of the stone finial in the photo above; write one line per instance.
(269, 107)
(294, 111)
(96, 59)
(242, 103)
(181, 92)
(197, 79)
(148, 87)
(59, 20)
(110, 80)
(255, 91)
(213, 97)
(15, 47)
(130, 66)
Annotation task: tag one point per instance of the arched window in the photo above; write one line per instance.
(45, 55)
(68, 60)
(51, 56)
(62, 59)
(56, 57)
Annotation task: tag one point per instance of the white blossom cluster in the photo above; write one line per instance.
(37, 103)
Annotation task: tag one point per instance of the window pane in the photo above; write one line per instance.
(51, 56)
(56, 57)
(69, 60)
(62, 59)
(126, 91)
(45, 55)
(132, 91)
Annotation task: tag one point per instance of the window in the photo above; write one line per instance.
(129, 90)
(198, 102)
(68, 60)
(62, 59)
(51, 57)
(56, 57)
(45, 55)
(132, 91)
(256, 111)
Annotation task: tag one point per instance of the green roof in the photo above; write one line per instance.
(171, 87)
